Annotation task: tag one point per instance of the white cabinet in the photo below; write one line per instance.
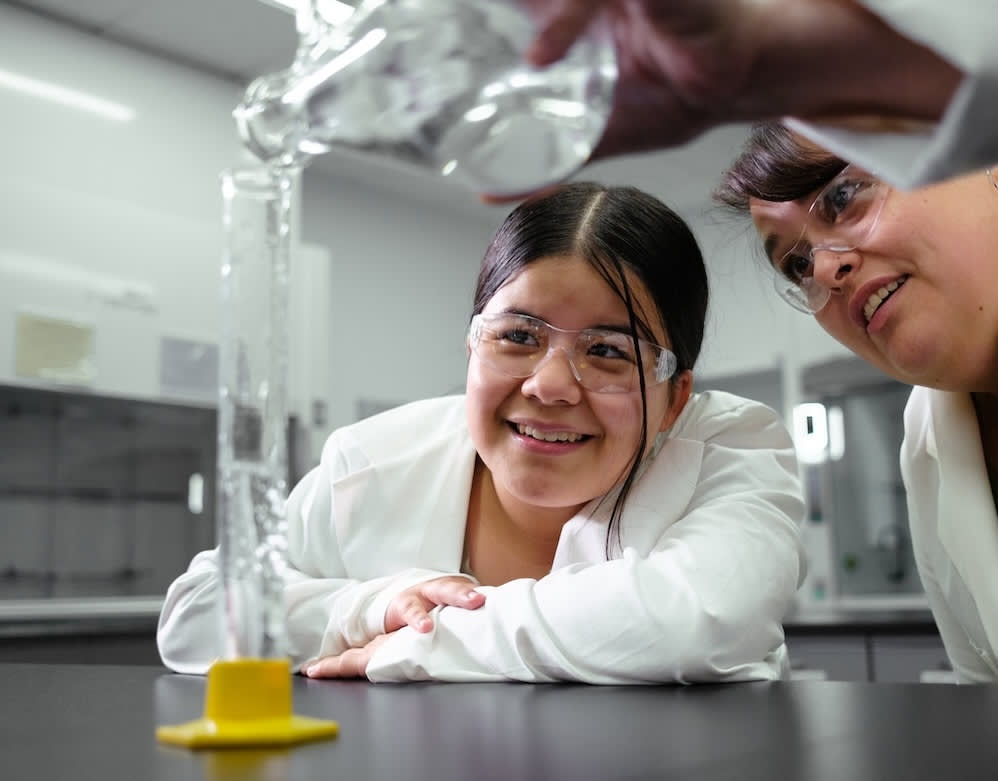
(869, 656)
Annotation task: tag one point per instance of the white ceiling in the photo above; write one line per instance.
(238, 40)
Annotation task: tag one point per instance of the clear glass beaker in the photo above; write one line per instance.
(438, 84)
(252, 413)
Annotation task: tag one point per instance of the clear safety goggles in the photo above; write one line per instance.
(841, 219)
(602, 360)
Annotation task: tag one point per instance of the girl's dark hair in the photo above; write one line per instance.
(775, 165)
(616, 230)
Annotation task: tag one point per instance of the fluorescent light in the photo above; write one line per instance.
(66, 96)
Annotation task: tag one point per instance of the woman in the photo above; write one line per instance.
(907, 281)
(578, 515)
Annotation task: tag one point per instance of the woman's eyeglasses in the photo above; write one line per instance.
(602, 360)
(842, 217)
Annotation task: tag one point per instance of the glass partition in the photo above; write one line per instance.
(100, 496)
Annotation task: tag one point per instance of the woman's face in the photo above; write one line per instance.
(934, 249)
(547, 441)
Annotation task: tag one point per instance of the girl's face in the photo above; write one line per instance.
(934, 251)
(547, 441)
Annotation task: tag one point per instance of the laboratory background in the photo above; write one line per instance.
(116, 125)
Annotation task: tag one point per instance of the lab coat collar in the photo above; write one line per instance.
(369, 508)
(584, 537)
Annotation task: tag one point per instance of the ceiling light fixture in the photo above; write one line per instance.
(66, 96)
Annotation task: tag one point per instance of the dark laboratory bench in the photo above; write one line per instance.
(837, 621)
(834, 644)
(98, 722)
(80, 631)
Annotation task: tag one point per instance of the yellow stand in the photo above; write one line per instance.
(248, 703)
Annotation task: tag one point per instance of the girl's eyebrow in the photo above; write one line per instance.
(643, 333)
(620, 328)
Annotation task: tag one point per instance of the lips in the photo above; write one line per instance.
(880, 295)
(549, 436)
(867, 300)
(552, 433)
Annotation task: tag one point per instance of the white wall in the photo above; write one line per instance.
(402, 281)
(138, 204)
(749, 326)
(93, 209)
(133, 202)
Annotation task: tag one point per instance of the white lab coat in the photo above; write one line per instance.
(954, 527)
(964, 33)
(711, 562)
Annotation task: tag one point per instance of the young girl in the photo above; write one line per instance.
(907, 281)
(577, 515)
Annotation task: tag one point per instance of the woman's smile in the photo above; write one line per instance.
(868, 306)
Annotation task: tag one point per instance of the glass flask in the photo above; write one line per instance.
(438, 84)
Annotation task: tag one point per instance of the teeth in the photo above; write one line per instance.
(877, 298)
(553, 436)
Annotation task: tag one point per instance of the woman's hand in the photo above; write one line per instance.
(682, 63)
(412, 607)
(686, 66)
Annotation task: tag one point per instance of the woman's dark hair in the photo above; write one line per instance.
(775, 165)
(616, 230)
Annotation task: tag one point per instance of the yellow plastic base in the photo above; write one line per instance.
(248, 703)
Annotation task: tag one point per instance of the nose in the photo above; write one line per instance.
(832, 266)
(555, 380)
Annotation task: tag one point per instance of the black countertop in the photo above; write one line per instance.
(53, 617)
(98, 722)
(855, 620)
(139, 615)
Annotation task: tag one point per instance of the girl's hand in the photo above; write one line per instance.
(412, 607)
(352, 663)
(409, 608)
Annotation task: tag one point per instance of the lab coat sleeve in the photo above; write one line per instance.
(327, 612)
(963, 140)
(922, 484)
(967, 664)
(706, 604)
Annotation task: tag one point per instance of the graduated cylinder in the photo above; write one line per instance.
(252, 408)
